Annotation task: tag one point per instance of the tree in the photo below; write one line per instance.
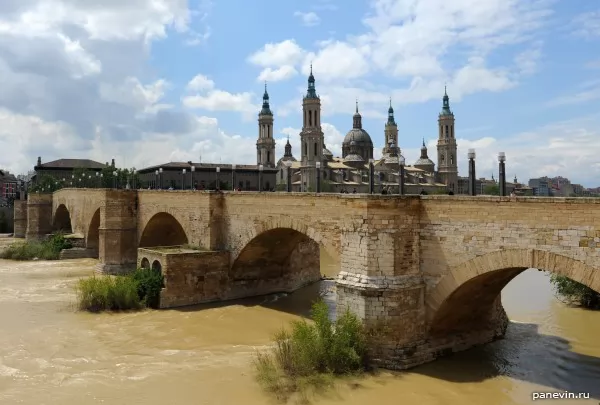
(491, 189)
(571, 291)
(46, 184)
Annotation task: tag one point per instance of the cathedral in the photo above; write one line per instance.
(350, 172)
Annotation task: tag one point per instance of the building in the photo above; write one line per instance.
(540, 187)
(204, 176)
(350, 172)
(62, 170)
(9, 187)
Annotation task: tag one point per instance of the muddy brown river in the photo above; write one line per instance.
(50, 354)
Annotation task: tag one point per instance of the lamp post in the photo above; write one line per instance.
(471, 155)
(97, 179)
(401, 162)
(260, 170)
(115, 179)
(217, 178)
(135, 179)
(318, 166)
(183, 179)
(192, 169)
(156, 180)
(160, 177)
(233, 176)
(502, 174)
(288, 164)
(371, 176)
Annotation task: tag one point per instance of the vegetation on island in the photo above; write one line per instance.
(47, 249)
(573, 292)
(137, 290)
(308, 357)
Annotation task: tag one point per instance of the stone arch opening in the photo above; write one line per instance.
(468, 298)
(93, 235)
(156, 266)
(62, 220)
(277, 260)
(145, 263)
(163, 230)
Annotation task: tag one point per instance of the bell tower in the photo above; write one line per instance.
(446, 146)
(265, 145)
(312, 140)
(391, 134)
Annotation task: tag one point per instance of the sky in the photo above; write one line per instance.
(148, 82)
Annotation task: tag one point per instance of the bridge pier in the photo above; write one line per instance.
(20, 218)
(118, 232)
(39, 216)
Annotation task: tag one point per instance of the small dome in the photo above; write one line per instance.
(285, 158)
(360, 136)
(424, 162)
(353, 158)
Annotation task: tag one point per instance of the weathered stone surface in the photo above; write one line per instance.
(423, 272)
(20, 218)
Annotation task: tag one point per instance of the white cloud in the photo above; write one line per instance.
(200, 83)
(587, 91)
(338, 60)
(527, 61)
(278, 54)
(275, 75)
(587, 24)
(220, 100)
(309, 19)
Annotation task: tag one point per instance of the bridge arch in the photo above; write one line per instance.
(469, 294)
(163, 229)
(62, 220)
(92, 240)
(279, 259)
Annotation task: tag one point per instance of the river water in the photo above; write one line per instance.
(51, 354)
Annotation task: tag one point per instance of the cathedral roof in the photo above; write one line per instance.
(357, 133)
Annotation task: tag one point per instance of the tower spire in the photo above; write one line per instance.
(357, 119)
(391, 120)
(311, 92)
(266, 108)
(446, 103)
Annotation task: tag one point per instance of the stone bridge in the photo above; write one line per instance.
(423, 272)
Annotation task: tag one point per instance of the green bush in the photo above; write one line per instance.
(107, 293)
(149, 283)
(48, 249)
(119, 293)
(310, 354)
(573, 292)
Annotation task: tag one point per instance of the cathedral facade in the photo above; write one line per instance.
(350, 172)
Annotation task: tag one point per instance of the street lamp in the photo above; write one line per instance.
(115, 179)
(193, 169)
(288, 164)
(156, 179)
(401, 162)
(134, 179)
(183, 179)
(233, 166)
(318, 166)
(502, 170)
(160, 177)
(471, 155)
(260, 170)
(217, 178)
(98, 179)
(371, 176)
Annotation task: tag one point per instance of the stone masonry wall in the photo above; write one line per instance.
(39, 216)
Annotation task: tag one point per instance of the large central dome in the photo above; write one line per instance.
(362, 140)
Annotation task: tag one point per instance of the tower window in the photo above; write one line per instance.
(316, 154)
(446, 131)
(268, 157)
(451, 159)
(310, 118)
(305, 148)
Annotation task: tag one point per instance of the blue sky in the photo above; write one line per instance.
(171, 80)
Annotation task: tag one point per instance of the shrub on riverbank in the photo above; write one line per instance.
(309, 355)
(48, 249)
(571, 292)
(133, 291)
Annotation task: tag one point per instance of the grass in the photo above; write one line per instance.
(572, 292)
(308, 358)
(48, 249)
(138, 290)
